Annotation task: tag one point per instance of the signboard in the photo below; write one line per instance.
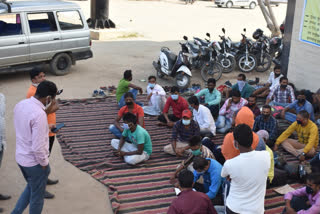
(310, 26)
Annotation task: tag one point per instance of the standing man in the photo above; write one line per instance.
(248, 185)
(32, 148)
(282, 95)
(252, 104)
(156, 97)
(212, 97)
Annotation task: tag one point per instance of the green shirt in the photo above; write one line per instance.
(213, 98)
(123, 87)
(139, 136)
(246, 91)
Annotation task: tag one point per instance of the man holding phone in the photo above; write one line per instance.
(32, 148)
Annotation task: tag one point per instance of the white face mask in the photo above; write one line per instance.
(35, 84)
(241, 84)
(125, 126)
(48, 104)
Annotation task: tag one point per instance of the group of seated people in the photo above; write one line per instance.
(251, 134)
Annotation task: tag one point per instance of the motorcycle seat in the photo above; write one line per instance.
(203, 42)
(194, 48)
(236, 45)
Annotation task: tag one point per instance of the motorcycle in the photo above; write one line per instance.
(225, 58)
(260, 50)
(175, 66)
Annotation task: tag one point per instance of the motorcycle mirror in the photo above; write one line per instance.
(185, 38)
(244, 29)
(223, 30)
(208, 35)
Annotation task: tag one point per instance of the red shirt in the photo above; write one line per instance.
(177, 106)
(189, 202)
(137, 110)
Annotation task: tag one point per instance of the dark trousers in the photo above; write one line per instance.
(51, 141)
(214, 149)
(171, 117)
(230, 211)
(218, 200)
(298, 203)
(214, 109)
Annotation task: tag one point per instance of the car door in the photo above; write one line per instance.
(44, 36)
(14, 48)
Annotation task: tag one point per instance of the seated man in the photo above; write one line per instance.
(242, 86)
(182, 132)
(212, 97)
(197, 149)
(231, 105)
(178, 104)
(300, 104)
(210, 170)
(189, 201)
(252, 104)
(308, 137)
(248, 173)
(306, 199)
(131, 107)
(156, 97)
(203, 117)
(273, 82)
(267, 122)
(141, 147)
(123, 87)
(282, 95)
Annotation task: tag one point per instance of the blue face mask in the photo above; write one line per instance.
(186, 122)
(174, 96)
(125, 126)
(196, 152)
(151, 85)
(201, 173)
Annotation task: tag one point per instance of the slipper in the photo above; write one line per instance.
(95, 93)
(103, 88)
(102, 94)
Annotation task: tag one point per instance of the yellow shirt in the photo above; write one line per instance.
(307, 135)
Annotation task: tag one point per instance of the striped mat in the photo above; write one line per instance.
(145, 188)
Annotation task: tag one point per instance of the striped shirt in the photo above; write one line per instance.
(183, 134)
(279, 96)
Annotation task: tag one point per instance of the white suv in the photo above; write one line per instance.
(241, 3)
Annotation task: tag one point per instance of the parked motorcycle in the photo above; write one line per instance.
(226, 58)
(260, 50)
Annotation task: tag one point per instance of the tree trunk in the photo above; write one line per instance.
(276, 30)
(269, 17)
(100, 15)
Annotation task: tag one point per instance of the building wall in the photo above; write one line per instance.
(304, 59)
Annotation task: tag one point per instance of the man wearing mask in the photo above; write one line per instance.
(245, 89)
(308, 137)
(231, 105)
(281, 95)
(300, 104)
(273, 82)
(182, 132)
(212, 97)
(131, 107)
(156, 97)
(178, 104)
(252, 104)
(267, 122)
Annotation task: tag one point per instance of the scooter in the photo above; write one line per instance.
(175, 66)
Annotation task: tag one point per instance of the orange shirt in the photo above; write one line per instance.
(137, 110)
(51, 117)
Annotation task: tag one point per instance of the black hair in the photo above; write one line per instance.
(128, 94)
(199, 163)
(193, 100)
(253, 96)
(267, 106)
(302, 92)
(46, 88)
(34, 72)
(314, 178)
(152, 77)
(304, 114)
(242, 76)
(127, 74)
(243, 135)
(194, 141)
(185, 178)
(129, 117)
(277, 67)
(212, 80)
(174, 89)
(235, 93)
(283, 78)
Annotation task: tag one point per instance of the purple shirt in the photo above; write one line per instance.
(32, 133)
(314, 200)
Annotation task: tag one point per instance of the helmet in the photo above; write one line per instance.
(257, 34)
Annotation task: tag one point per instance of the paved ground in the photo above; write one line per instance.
(161, 24)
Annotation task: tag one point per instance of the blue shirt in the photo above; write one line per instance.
(271, 126)
(307, 107)
(212, 178)
(213, 98)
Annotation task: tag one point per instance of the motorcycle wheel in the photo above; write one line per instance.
(249, 65)
(182, 81)
(265, 64)
(211, 71)
(228, 64)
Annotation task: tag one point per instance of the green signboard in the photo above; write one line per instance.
(310, 26)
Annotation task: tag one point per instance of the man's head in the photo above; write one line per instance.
(186, 117)
(131, 120)
(193, 102)
(303, 118)
(129, 99)
(37, 76)
(277, 70)
(185, 179)
(252, 101)
(301, 97)
(313, 183)
(127, 75)
(242, 77)
(200, 164)
(243, 136)
(211, 84)
(284, 82)
(236, 96)
(175, 93)
(266, 111)
(46, 92)
(195, 145)
(152, 81)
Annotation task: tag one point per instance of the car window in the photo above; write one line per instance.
(69, 20)
(10, 25)
(42, 22)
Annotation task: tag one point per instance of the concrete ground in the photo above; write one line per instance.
(161, 23)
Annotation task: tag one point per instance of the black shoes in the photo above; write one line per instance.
(48, 195)
(4, 197)
(52, 182)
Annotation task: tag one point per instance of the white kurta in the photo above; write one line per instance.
(204, 118)
(157, 100)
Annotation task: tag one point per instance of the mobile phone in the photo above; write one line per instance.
(58, 127)
(59, 92)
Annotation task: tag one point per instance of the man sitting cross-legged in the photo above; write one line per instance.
(182, 131)
(156, 97)
(190, 201)
(141, 147)
(308, 137)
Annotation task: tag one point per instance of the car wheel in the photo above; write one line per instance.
(229, 4)
(60, 65)
(252, 5)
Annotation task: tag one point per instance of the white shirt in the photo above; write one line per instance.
(157, 89)
(2, 122)
(204, 118)
(274, 81)
(248, 173)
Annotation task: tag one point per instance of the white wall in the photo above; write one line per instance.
(304, 61)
